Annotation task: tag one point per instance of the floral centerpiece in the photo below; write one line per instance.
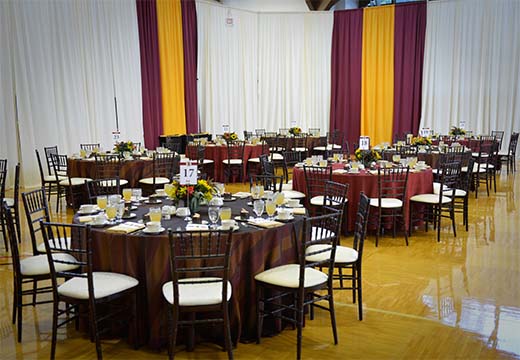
(230, 136)
(457, 131)
(202, 191)
(421, 140)
(367, 157)
(295, 131)
(124, 146)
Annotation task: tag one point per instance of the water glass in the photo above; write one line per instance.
(137, 194)
(120, 210)
(213, 214)
(258, 207)
(114, 199)
(255, 192)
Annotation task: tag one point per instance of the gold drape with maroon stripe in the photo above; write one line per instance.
(377, 96)
(171, 52)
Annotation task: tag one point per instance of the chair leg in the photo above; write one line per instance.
(173, 332)
(54, 328)
(259, 316)
(332, 315)
(437, 221)
(299, 326)
(227, 332)
(359, 291)
(4, 233)
(15, 301)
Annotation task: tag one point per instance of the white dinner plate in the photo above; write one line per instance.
(235, 228)
(277, 218)
(148, 231)
(130, 216)
(294, 207)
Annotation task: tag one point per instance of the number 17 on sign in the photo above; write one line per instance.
(188, 175)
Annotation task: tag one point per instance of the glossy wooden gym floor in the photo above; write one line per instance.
(459, 298)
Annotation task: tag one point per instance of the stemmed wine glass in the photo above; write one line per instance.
(270, 208)
(213, 214)
(258, 207)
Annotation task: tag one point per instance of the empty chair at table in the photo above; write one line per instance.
(29, 272)
(92, 147)
(314, 132)
(102, 187)
(301, 283)
(499, 136)
(3, 178)
(71, 186)
(316, 178)
(103, 295)
(196, 152)
(164, 167)
(509, 156)
(259, 132)
(268, 182)
(199, 265)
(253, 164)
(389, 203)
(108, 169)
(48, 179)
(13, 202)
(234, 162)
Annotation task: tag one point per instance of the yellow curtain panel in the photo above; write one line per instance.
(377, 94)
(171, 53)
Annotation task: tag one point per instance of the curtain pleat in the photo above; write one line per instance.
(410, 29)
(377, 97)
(189, 31)
(345, 104)
(150, 72)
(171, 52)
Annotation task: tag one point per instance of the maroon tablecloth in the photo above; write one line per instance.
(218, 153)
(146, 257)
(131, 170)
(418, 183)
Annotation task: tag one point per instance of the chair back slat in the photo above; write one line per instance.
(49, 151)
(108, 166)
(316, 178)
(36, 210)
(92, 147)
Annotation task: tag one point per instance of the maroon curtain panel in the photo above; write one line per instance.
(189, 34)
(150, 72)
(409, 32)
(347, 42)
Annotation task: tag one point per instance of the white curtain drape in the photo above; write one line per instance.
(267, 70)
(227, 67)
(72, 58)
(8, 139)
(294, 70)
(471, 66)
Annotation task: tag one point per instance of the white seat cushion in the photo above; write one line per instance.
(344, 254)
(105, 284)
(64, 244)
(430, 198)
(437, 189)
(207, 161)
(39, 265)
(52, 178)
(158, 180)
(9, 201)
(287, 186)
(318, 201)
(289, 276)
(277, 156)
(503, 153)
(254, 160)
(293, 194)
(386, 203)
(75, 181)
(300, 149)
(232, 161)
(197, 294)
(112, 182)
(475, 154)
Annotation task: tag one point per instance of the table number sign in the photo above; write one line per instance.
(364, 142)
(225, 128)
(462, 124)
(116, 135)
(188, 175)
(425, 132)
(293, 123)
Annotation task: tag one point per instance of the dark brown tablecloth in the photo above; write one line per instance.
(131, 170)
(418, 183)
(146, 257)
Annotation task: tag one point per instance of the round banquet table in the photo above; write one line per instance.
(131, 170)
(419, 182)
(146, 257)
(218, 153)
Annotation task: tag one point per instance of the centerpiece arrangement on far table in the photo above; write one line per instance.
(295, 131)
(230, 136)
(124, 146)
